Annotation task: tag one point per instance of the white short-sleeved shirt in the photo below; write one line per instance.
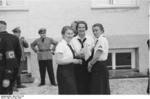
(102, 45)
(88, 45)
(64, 49)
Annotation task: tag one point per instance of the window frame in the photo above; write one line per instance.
(3, 3)
(111, 5)
(122, 50)
(6, 7)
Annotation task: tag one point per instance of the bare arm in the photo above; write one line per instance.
(60, 60)
(94, 60)
(96, 56)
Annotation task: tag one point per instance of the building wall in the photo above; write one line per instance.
(125, 28)
(54, 14)
(137, 42)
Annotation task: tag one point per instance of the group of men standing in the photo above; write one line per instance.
(12, 57)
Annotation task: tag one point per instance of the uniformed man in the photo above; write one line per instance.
(83, 45)
(10, 54)
(43, 47)
(23, 44)
(99, 81)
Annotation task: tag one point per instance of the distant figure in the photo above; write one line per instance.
(65, 58)
(23, 44)
(74, 27)
(99, 81)
(148, 69)
(10, 55)
(42, 46)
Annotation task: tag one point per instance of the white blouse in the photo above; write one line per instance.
(88, 45)
(64, 49)
(102, 45)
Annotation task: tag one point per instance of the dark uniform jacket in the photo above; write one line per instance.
(10, 55)
(23, 44)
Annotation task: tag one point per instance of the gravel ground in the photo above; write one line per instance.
(128, 86)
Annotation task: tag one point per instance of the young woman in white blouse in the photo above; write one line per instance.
(65, 58)
(83, 44)
(99, 82)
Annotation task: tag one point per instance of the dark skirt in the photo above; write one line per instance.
(99, 83)
(66, 79)
(82, 78)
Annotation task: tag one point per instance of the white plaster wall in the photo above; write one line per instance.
(54, 14)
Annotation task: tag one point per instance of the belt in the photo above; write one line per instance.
(101, 61)
(1, 56)
(44, 50)
(67, 65)
(10, 55)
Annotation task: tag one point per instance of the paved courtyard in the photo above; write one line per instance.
(128, 86)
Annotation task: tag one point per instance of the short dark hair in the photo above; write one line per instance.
(42, 30)
(3, 22)
(16, 30)
(65, 28)
(75, 22)
(99, 25)
(82, 22)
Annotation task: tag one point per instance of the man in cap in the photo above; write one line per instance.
(43, 47)
(23, 44)
(10, 54)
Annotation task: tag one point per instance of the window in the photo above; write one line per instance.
(121, 59)
(12, 5)
(15, 2)
(114, 3)
(124, 2)
(0, 2)
(3, 2)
